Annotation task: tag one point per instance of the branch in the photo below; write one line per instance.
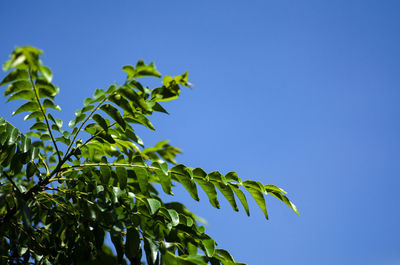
(44, 115)
(80, 127)
(12, 182)
(93, 136)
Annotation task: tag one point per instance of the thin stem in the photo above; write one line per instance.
(93, 136)
(44, 163)
(44, 115)
(83, 123)
(12, 182)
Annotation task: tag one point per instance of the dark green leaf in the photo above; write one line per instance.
(122, 176)
(100, 121)
(151, 250)
(114, 113)
(132, 243)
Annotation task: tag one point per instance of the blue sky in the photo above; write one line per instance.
(301, 94)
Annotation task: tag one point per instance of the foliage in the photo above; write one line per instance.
(60, 194)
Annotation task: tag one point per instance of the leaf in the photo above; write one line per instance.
(182, 176)
(151, 250)
(114, 113)
(143, 178)
(26, 214)
(200, 176)
(239, 193)
(105, 172)
(232, 176)
(28, 106)
(12, 135)
(57, 122)
(117, 241)
(228, 194)
(132, 243)
(30, 169)
(23, 94)
(122, 176)
(225, 254)
(286, 200)
(18, 86)
(39, 126)
(100, 121)
(159, 108)
(47, 103)
(146, 70)
(165, 178)
(154, 205)
(209, 245)
(129, 70)
(174, 216)
(46, 73)
(34, 115)
(259, 198)
(15, 75)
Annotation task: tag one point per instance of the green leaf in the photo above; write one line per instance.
(18, 86)
(154, 205)
(114, 113)
(209, 188)
(39, 126)
(23, 94)
(132, 243)
(122, 176)
(228, 194)
(46, 73)
(12, 135)
(239, 193)
(259, 198)
(117, 241)
(47, 103)
(100, 121)
(30, 169)
(232, 176)
(28, 106)
(34, 115)
(165, 178)
(285, 199)
(15, 75)
(159, 108)
(151, 250)
(174, 217)
(270, 187)
(182, 176)
(209, 245)
(105, 172)
(142, 177)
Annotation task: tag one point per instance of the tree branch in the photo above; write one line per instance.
(44, 115)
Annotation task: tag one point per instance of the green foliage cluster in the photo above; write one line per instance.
(60, 194)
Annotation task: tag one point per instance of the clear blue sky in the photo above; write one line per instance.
(301, 94)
